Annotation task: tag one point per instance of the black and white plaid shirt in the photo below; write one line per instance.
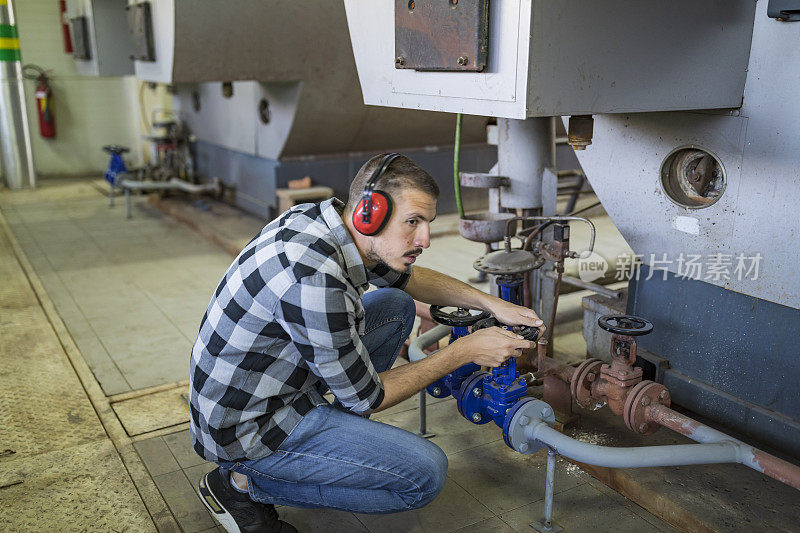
(283, 327)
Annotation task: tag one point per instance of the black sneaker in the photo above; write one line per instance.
(235, 510)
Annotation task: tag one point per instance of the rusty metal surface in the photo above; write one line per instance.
(759, 460)
(579, 134)
(636, 413)
(581, 384)
(448, 35)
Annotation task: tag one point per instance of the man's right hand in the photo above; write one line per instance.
(490, 346)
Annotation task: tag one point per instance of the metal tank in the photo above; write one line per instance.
(291, 104)
(694, 152)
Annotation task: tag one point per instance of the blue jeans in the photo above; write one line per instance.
(339, 460)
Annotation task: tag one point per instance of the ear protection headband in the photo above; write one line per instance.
(375, 208)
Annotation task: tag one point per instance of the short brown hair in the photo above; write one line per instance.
(401, 174)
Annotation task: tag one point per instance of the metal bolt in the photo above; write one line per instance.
(643, 427)
(400, 61)
(524, 420)
(546, 412)
(664, 395)
(523, 447)
(645, 401)
(437, 391)
(476, 417)
(462, 60)
(477, 392)
(591, 377)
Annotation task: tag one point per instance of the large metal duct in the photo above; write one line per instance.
(297, 51)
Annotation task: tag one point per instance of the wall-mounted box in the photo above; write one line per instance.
(563, 57)
(99, 31)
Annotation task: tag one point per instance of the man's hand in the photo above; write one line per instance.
(490, 346)
(515, 315)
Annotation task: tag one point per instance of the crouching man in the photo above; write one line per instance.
(290, 320)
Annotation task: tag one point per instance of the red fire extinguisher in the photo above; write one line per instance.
(44, 100)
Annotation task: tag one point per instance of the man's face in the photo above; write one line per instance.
(407, 233)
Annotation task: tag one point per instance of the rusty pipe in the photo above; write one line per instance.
(758, 460)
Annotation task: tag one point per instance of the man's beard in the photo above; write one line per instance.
(374, 256)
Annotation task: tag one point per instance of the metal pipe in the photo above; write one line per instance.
(556, 291)
(16, 154)
(594, 287)
(524, 151)
(172, 184)
(776, 468)
(632, 457)
(433, 335)
(416, 353)
(549, 488)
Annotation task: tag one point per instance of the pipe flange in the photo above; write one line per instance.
(641, 396)
(522, 415)
(469, 401)
(581, 386)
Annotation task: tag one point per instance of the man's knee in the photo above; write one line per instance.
(432, 476)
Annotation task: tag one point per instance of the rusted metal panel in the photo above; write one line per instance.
(451, 35)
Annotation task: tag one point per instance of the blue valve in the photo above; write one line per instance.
(116, 165)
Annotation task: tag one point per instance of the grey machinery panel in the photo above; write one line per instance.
(108, 44)
(278, 42)
(759, 147)
(558, 57)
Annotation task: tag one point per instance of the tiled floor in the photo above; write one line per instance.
(489, 487)
(132, 293)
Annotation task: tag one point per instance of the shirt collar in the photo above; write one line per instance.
(332, 211)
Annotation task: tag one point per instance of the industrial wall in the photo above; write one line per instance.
(89, 112)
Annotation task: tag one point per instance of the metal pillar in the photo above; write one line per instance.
(16, 155)
(546, 525)
(524, 150)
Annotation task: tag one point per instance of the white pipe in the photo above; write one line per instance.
(415, 349)
(172, 184)
(634, 457)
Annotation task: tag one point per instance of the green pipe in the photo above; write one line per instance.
(456, 153)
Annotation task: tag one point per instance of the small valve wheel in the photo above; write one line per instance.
(528, 333)
(625, 325)
(459, 318)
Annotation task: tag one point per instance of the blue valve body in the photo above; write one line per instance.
(450, 383)
(485, 397)
(116, 166)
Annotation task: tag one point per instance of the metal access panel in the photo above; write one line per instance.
(140, 22)
(563, 57)
(81, 46)
(441, 35)
(100, 37)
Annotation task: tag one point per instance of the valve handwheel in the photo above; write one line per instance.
(625, 325)
(528, 333)
(459, 318)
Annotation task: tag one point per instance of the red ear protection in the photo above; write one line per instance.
(380, 212)
(375, 208)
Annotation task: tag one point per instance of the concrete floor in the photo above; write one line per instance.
(131, 294)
